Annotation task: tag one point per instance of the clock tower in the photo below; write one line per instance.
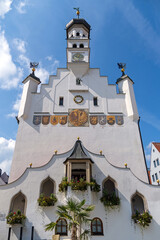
(78, 51)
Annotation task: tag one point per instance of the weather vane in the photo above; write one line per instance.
(33, 65)
(78, 12)
(122, 66)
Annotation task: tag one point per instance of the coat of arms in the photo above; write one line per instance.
(111, 120)
(119, 120)
(63, 120)
(78, 117)
(102, 119)
(93, 120)
(45, 120)
(54, 120)
(36, 120)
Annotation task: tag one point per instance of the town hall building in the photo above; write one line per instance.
(79, 128)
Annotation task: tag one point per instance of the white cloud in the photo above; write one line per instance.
(5, 6)
(49, 58)
(20, 45)
(21, 7)
(6, 153)
(54, 66)
(15, 107)
(10, 75)
(43, 74)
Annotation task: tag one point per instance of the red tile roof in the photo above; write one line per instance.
(157, 145)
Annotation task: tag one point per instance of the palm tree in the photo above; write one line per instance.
(76, 214)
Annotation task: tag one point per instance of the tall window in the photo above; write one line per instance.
(137, 204)
(18, 203)
(95, 101)
(74, 45)
(153, 179)
(61, 101)
(47, 187)
(61, 227)
(154, 162)
(157, 160)
(96, 227)
(156, 176)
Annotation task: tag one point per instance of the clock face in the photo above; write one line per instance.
(78, 99)
(77, 57)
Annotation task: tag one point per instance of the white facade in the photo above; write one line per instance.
(79, 103)
(155, 163)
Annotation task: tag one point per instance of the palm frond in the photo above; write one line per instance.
(50, 226)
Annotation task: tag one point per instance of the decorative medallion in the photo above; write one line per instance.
(77, 57)
(111, 120)
(78, 99)
(63, 120)
(93, 120)
(36, 120)
(102, 119)
(78, 117)
(54, 120)
(45, 120)
(119, 120)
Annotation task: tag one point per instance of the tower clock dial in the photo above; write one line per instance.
(77, 57)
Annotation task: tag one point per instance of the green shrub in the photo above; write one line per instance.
(110, 199)
(44, 201)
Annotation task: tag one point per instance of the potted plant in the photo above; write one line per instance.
(15, 218)
(143, 219)
(63, 185)
(95, 187)
(110, 199)
(45, 201)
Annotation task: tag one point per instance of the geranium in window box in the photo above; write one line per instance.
(63, 185)
(79, 184)
(15, 218)
(95, 187)
(45, 201)
(143, 219)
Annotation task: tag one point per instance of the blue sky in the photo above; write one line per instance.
(122, 31)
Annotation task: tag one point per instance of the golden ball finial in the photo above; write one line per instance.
(158, 181)
(78, 138)
(55, 151)
(125, 165)
(100, 152)
(30, 165)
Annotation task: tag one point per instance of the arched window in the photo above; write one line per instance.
(74, 45)
(18, 203)
(77, 34)
(96, 226)
(81, 45)
(61, 227)
(47, 187)
(137, 203)
(109, 186)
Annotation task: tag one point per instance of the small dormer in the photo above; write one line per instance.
(79, 164)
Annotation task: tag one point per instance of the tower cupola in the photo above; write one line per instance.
(78, 37)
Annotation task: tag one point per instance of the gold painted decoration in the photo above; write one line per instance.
(36, 120)
(119, 120)
(63, 120)
(102, 119)
(111, 120)
(54, 120)
(78, 118)
(93, 120)
(45, 120)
